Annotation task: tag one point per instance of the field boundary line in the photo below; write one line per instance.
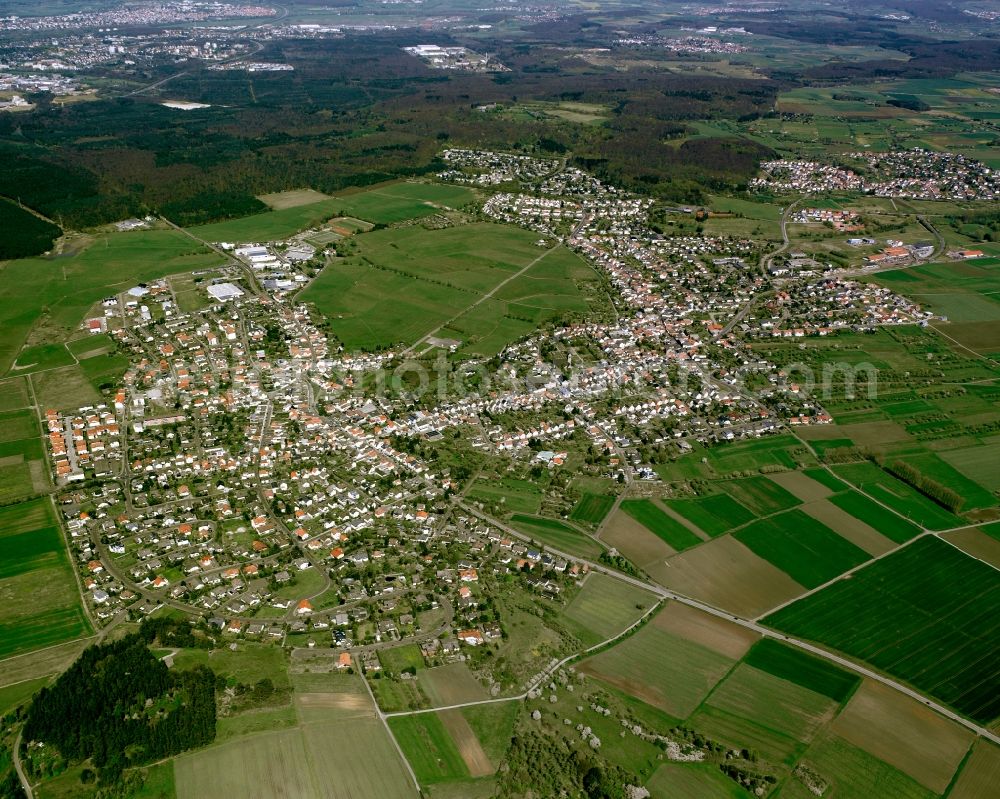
(768, 632)
(385, 723)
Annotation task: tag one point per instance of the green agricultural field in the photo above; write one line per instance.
(754, 709)
(805, 670)
(429, 748)
(822, 476)
(50, 297)
(399, 201)
(658, 522)
(926, 614)
(269, 225)
(931, 465)
(898, 495)
(805, 549)
(977, 463)
(557, 535)
(661, 669)
(854, 774)
(605, 607)
(592, 508)
(42, 603)
(12, 696)
(493, 725)
(714, 514)
(760, 495)
(692, 781)
(891, 525)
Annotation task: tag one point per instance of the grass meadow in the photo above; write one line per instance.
(41, 602)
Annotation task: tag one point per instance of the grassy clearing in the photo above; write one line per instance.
(493, 725)
(12, 696)
(802, 547)
(925, 614)
(604, 607)
(404, 282)
(889, 524)
(397, 659)
(516, 496)
(800, 668)
(429, 748)
(761, 495)
(692, 781)
(550, 532)
(292, 198)
(714, 515)
(659, 523)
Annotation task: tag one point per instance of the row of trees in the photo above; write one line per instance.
(945, 497)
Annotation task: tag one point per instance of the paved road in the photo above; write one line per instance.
(25, 784)
(750, 624)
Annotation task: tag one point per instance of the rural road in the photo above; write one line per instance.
(750, 624)
(25, 784)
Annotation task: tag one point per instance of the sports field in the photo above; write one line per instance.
(925, 614)
(41, 602)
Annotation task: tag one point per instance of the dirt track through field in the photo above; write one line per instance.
(468, 744)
